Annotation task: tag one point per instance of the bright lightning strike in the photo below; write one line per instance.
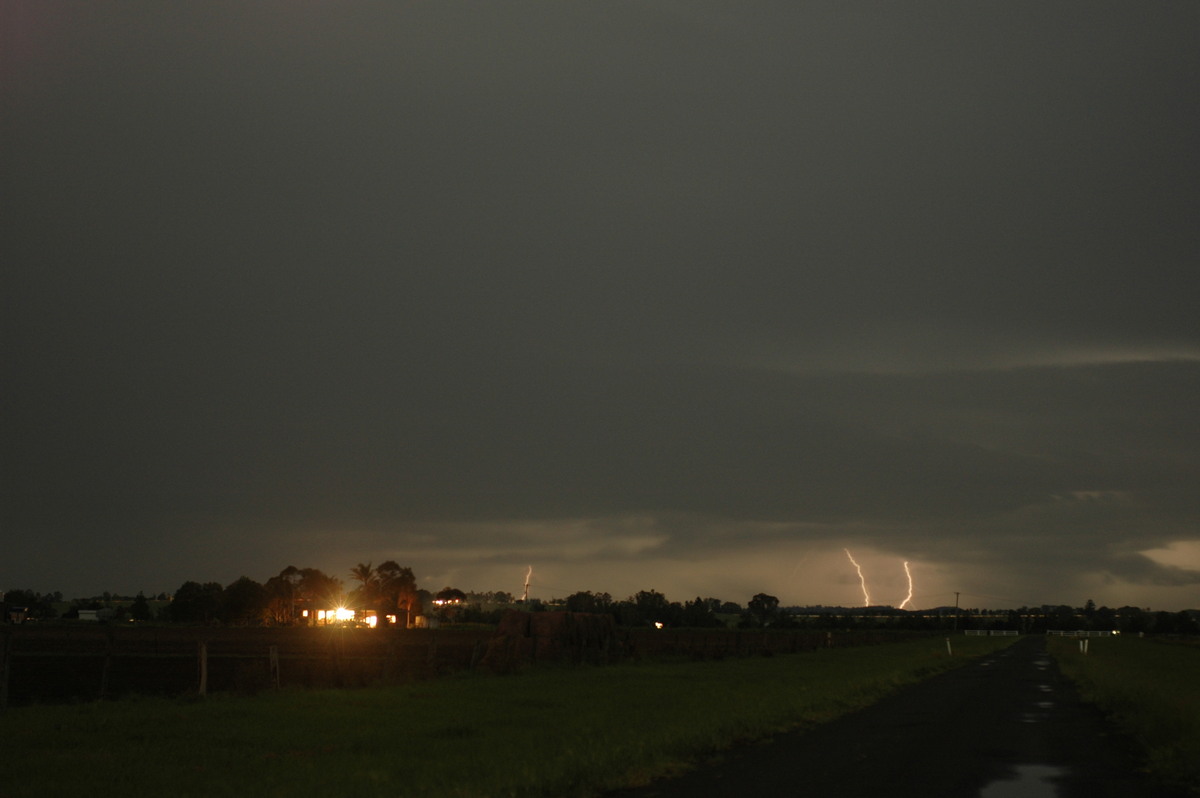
(907, 573)
(528, 575)
(861, 578)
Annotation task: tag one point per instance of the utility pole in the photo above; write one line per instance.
(956, 610)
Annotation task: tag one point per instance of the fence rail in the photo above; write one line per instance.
(83, 663)
(63, 663)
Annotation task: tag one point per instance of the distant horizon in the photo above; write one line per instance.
(554, 599)
(789, 580)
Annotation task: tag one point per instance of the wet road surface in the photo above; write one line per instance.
(1005, 725)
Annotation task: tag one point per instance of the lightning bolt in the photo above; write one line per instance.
(861, 578)
(528, 576)
(907, 573)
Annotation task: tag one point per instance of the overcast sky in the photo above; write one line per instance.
(686, 296)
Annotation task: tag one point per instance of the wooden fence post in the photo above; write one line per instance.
(335, 650)
(6, 637)
(108, 652)
(431, 657)
(274, 666)
(202, 657)
(391, 655)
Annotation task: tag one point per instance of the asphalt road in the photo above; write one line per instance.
(1003, 726)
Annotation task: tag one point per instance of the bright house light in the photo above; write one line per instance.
(371, 621)
(343, 614)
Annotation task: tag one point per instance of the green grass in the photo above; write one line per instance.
(544, 732)
(1151, 690)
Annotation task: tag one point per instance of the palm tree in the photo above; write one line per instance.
(367, 593)
(364, 573)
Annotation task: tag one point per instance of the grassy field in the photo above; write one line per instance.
(1151, 689)
(544, 732)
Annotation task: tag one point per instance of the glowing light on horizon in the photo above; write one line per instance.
(861, 578)
(907, 573)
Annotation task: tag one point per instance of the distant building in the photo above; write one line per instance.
(104, 614)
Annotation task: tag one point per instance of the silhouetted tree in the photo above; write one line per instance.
(1063, 617)
(652, 607)
(139, 610)
(1104, 619)
(34, 605)
(319, 591)
(647, 607)
(244, 602)
(701, 613)
(398, 594)
(196, 603)
(1133, 620)
(762, 610)
(449, 603)
(282, 594)
(587, 601)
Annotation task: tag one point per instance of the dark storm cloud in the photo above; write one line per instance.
(632, 281)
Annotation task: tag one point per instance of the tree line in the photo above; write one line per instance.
(295, 596)
(390, 592)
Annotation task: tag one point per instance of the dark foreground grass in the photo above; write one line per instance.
(1151, 690)
(546, 732)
